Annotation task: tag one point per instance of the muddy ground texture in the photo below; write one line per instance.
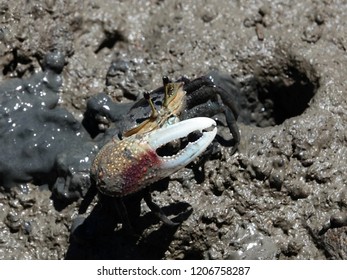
(282, 195)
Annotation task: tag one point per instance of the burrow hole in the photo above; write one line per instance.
(280, 88)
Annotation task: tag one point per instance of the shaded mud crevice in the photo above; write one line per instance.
(110, 40)
(279, 89)
(14, 63)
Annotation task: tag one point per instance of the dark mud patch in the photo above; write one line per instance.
(41, 141)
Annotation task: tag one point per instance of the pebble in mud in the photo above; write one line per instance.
(293, 248)
(13, 221)
(250, 244)
(297, 189)
(338, 220)
(276, 179)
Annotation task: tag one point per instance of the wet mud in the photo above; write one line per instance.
(282, 195)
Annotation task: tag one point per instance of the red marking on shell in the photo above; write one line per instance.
(134, 175)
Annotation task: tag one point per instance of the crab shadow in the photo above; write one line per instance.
(100, 236)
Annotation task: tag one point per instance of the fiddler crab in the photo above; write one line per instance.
(126, 166)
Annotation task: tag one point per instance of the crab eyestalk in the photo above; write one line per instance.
(173, 104)
(148, 124)
(166, 83)
(127, 166)
(154, 112)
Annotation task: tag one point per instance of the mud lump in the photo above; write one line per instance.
(42, 142)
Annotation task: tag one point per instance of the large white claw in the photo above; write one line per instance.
(127, 166)
(206, 126)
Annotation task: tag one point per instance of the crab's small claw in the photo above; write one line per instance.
(126, 166)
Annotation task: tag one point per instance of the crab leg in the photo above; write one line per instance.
(127, 166)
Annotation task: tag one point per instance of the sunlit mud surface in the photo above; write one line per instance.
(282, 195)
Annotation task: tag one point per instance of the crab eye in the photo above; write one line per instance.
(166, 80)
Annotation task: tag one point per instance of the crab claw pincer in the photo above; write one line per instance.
(127, 166)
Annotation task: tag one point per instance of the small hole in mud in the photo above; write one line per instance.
(111, 38)
(280, 89)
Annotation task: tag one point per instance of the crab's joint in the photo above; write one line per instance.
(154, 113)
